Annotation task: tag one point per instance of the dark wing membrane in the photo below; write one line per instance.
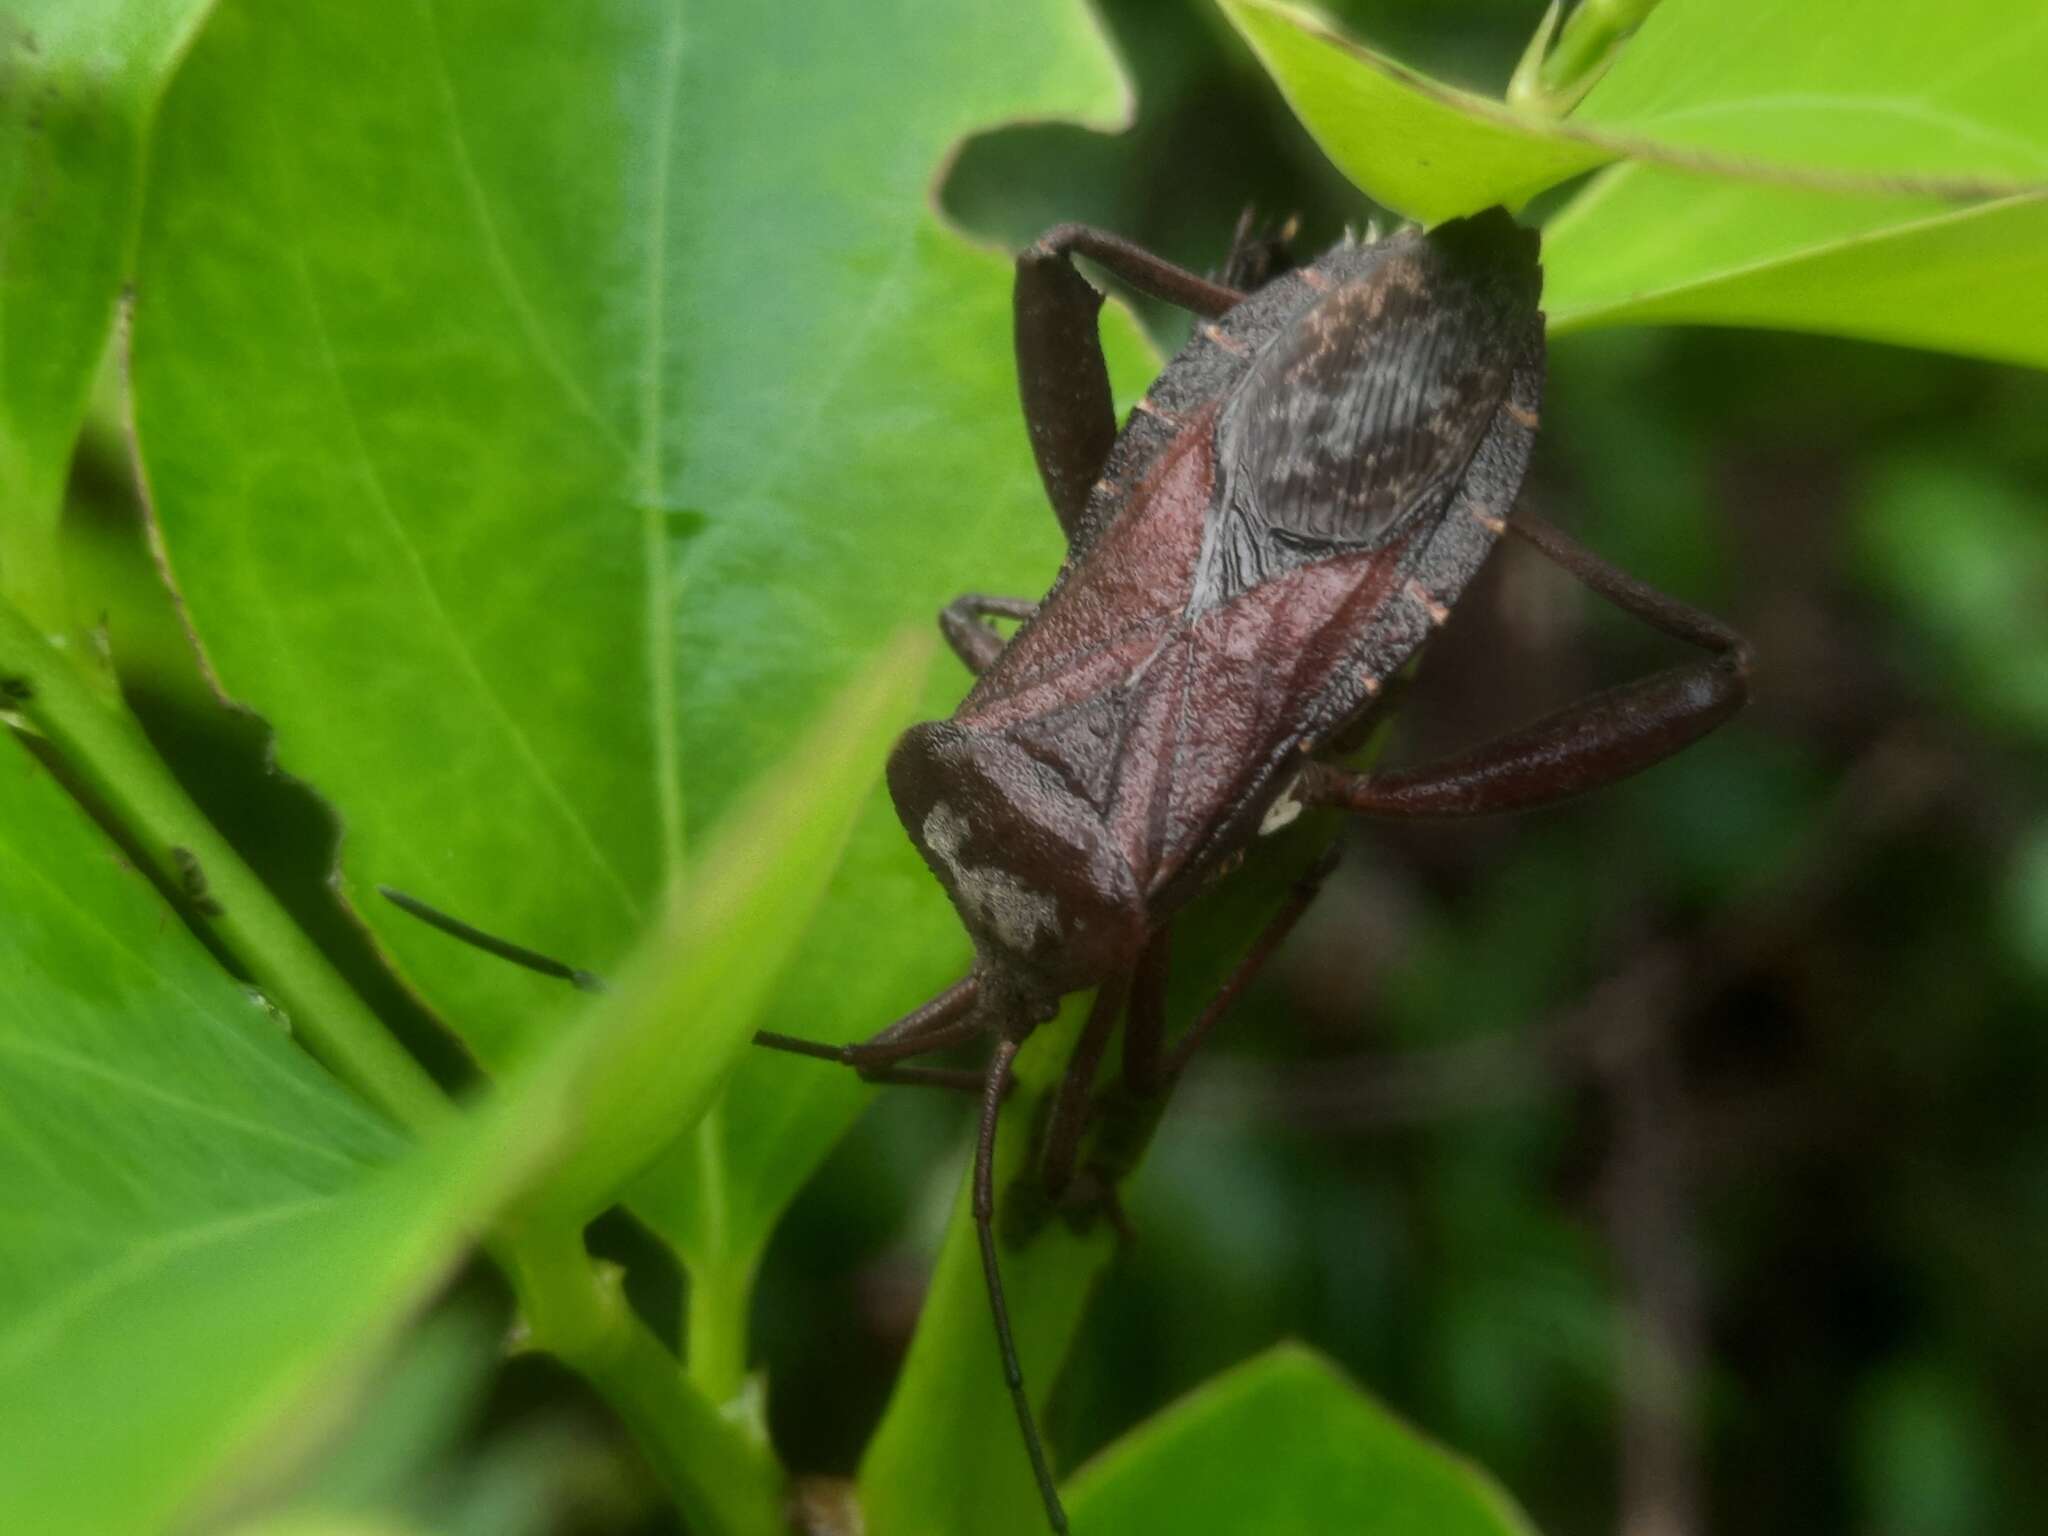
(1368, 406)
(1366, 410)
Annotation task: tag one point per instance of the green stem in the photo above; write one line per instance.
(115, 764)
(1554, 79)
(724, 1481)
(719, 1300)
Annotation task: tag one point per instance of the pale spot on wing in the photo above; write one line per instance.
(1283, 812)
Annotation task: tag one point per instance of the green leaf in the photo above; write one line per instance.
(404, 1435)
(546, 418)
(664, 1042)
(1788, 161)
(1648, 246)
(1834, 93)
(1898, 93)
(79, 80)
(951, 1409)
(1412, 144)
(1284, 1445)
(198, 1227)
(410, 1455)
(325, 1523)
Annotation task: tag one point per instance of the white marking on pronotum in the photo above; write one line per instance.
(1417, 592)
(1485, 519)
(1018, 915)
(1521, 417)
(1283, 811)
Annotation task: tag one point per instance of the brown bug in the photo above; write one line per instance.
(1288, 514)
(1285, 517)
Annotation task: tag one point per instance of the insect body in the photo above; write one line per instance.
(1291, 510)
(1288, 514)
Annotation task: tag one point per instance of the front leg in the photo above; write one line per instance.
(1060, 369)
(1581, 747)
(965, 624)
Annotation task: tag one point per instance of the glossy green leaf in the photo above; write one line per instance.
(1898, 93)
(1648, 246)
(1833, 93)
(1787, 166)
(408, 1456)
(1413, 144)
(951, 1408)
(1284, 1446)
(546, 416)
(197, 1227)
(322, 1523)
(79, 80)
(407, 1426)
(666, 1039)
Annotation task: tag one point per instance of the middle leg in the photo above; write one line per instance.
(1150, 1067)
(965, 624)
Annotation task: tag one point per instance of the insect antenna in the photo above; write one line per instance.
(491, 944)
(995, 1089)
(947, 1019)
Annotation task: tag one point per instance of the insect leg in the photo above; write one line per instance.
(1257, 256)
(1583, 746)
(996, 1088)
(1069, 1118)
(965, 624)
(953, 1079)
(945, 1020)
(1164, 1069)
(1061, 375)
(1145, 1020)
(1149, 274)
(959, 995)
(882, 1064)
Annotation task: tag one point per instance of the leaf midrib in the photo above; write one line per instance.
(658, 618)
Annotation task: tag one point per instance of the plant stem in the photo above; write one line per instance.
(1553, 77)
(1587, 41)
(115, 764)
(724, 1481)
(716, 1315)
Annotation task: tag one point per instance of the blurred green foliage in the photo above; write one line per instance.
(1675, 1156)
